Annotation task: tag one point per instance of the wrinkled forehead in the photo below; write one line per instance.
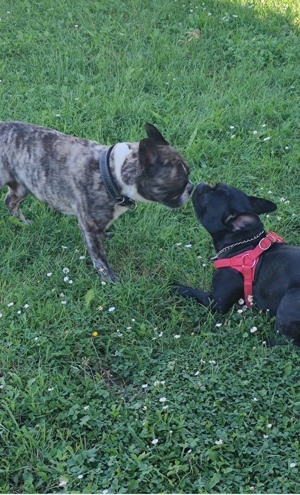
(230, 196)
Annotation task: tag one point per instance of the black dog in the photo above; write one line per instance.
(232, 219)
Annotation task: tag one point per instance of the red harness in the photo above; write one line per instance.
(246, 263)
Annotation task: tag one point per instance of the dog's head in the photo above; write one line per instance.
(164, 176)
(224, 210)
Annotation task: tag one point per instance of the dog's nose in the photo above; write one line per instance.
(201, 185)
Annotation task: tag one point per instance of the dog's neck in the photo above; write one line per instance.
(230, 249)
(125, 166)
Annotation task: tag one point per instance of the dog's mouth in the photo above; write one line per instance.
(179, 199)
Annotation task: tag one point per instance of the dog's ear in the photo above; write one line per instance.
(241, 221)
(147, 152)
(154, 134)
(261, 205)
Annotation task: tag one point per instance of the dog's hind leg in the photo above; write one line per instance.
(288, 315)
(16, 194)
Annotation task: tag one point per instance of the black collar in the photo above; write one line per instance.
(110, 184)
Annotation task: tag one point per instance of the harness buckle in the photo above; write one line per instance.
(248, 266)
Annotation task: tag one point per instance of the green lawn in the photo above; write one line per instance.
(157, 395)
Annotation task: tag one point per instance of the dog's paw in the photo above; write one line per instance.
(179, 289)
(107, 275)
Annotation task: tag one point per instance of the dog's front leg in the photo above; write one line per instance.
(93, 237)
(200, 296)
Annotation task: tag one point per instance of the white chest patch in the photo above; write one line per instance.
(121, 152)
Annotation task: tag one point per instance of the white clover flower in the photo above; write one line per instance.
(255, 399)
(266, 436)
(176, 336)
(202, 361)
(70, 282)
(66, 270)
(254, 132)
(163, 399)
(188, 245)
(49, 274)
(105, 491)
(80, 476)
(85, 408)
(212, 361)
(266, 138)
(165, 407)
(62, 483)
(111, 309)
(10, 304)
(64, 302)
(26, 306)
(231, 127)
(218, 325)
(19, 312)
(253, 329)
(50, 389)
(269, 425)
(197, 373)
(156, 383)
(219, 442)
(66, 279)
(145, 385)
(293, 464)
(155, 441)
(241, 301)
(82, 257)
(103, 283)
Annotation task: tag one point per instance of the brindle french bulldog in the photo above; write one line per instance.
(89, 180)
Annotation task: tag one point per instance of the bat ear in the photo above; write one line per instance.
(261, 205)
(241, 221)
(154, 134)
(147, 152)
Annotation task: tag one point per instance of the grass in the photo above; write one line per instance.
(158, 395)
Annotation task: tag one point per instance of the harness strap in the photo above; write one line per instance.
(246, 263)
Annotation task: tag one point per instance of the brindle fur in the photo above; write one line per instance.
(63, 172)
